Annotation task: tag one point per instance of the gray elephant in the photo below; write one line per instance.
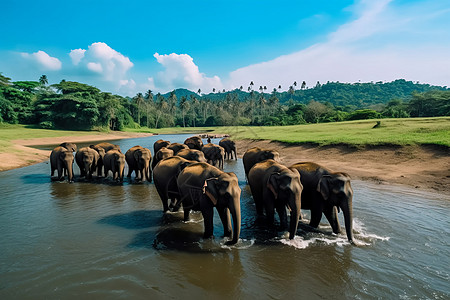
(162, 153)
(109, 146)
(230, 148)
(101, 152)
(175, 147)
(255, 155)
(69, 146)
(194, 142)
(275, 186)
(326, 192)
(61, 159)
(87, 160)
(165, 177)
(138, 159)
(114, 161)
(159, 144)
(192, 154)
(203, 187)
(214, 154)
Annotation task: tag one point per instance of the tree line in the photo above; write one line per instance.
(78, 106)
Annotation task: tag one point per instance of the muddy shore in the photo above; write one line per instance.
(421, 167)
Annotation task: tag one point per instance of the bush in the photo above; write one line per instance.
(47, 125)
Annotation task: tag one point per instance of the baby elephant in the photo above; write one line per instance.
(138, 159)
(87, 160)
(61, 159)
(114, 161)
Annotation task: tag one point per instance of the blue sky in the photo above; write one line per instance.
(133, 46)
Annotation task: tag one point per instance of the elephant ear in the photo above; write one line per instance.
(210, 189)
(137, 154)
(272, 184)
(324, 186)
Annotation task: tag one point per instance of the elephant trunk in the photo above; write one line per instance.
(87, 169)
(295, 216)
(69, 168)
(347, 209)
(147, 172)
(235, 211)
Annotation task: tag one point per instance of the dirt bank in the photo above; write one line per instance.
(24, 155)
(422, 167)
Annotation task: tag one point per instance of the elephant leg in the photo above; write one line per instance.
(130, 170)
(60, 172)
(186, 213)
(270, 212)
(224, 214)
(206, 207)
(283, 216)
(316, 215)
(331, 215)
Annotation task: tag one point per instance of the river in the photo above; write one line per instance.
(108, 240)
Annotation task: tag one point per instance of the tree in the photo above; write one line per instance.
(314, 110)
(139, 101)
(303, 85)
(43, 80)
(184, 106)
(199, 91)
(5, 81)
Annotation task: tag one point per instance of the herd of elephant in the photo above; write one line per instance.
(190, 175)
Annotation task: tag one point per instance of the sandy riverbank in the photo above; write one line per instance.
(422, 167)
(26, 155)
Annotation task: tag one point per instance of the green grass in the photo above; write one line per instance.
(413, 131)
(10, 132)
(417, 131)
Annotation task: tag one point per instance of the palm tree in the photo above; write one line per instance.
(199, 91)
(241, 88)
(148, 104)
(214, 90)
(279, 87)
(295, 83)
(251, 85)
(139, 100)
(303, 85)
(43, 80)
(184, 105)
(291, 91)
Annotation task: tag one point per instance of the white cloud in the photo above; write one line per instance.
(181, 71)
(43, 61)
(95, 67)
(76, 55)
(382, 43)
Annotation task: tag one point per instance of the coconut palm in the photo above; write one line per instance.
(43, 80)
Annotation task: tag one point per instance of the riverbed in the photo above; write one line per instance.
(111, 240)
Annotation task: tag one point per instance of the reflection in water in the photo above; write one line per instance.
(111, 240)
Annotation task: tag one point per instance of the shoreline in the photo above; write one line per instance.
(25, 155)
(420, 167)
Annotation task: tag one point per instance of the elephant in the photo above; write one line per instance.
(165, 177)
(162, 153)
(114, 160)
(109, 146)
(194, 142)
(214, 154)
(138, 159)
(101, 152)
(61, 159)
(229, 146)
(177, 147)
(328, 192)
(255, 155)
(69, 146)
(192, 154)
(275, 186)
(203, 187)
(87, 160)
(159, 144)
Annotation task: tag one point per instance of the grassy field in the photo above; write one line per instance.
(435, 131)
(390, 132)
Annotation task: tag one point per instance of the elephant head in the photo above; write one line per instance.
(69, 146)
(192, 154)
(286, 188)
(336, 190)
(66, 159)
(142, 158)
(194, 142)
(224, 193)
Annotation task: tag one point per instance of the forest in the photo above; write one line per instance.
(78, 106)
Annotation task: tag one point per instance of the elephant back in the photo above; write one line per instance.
(192, 154)
(194, 142)
(255, 155)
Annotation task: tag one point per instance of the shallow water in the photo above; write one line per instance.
(110, 240)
